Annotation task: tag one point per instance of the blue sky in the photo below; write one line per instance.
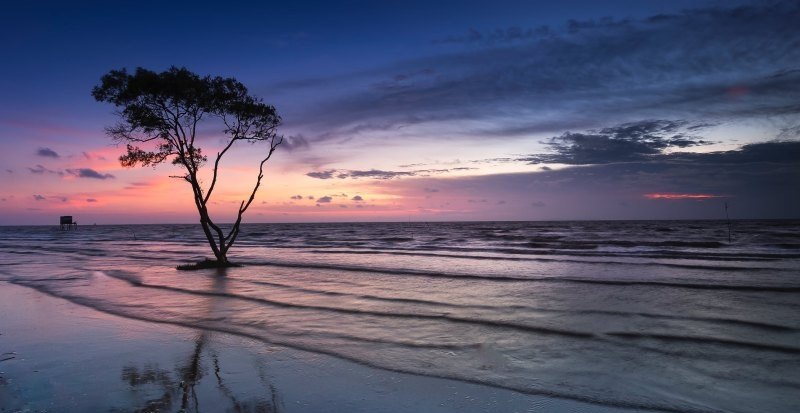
(440, 110)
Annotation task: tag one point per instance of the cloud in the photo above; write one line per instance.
(322, 174)
(89, 156)
(88, 173)
(376, 173)
(758, 180)
(39, 170)
(772, 152)
(47, 153)
(38, 198)
(697, 63)
(295, 143)
(91, 200)
(622, 143)
(139, 185)
(357, 198)
(324, 200)
(296, 197)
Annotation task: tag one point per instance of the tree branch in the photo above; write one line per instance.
(244, 206)
(216, 166)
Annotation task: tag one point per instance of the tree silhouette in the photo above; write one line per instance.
(162, 111)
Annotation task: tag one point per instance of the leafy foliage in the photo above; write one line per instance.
(159, 117)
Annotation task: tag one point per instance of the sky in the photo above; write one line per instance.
(420, 110)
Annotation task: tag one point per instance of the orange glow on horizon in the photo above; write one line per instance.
(681, 196)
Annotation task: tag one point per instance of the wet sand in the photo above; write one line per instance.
(62, 357)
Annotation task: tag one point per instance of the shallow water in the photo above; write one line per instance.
(658, 315)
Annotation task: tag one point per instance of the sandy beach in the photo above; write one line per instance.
(62, 357)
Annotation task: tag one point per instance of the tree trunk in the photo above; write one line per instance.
(222, 258)
(220, 250)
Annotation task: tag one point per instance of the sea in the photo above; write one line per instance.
(673, 316)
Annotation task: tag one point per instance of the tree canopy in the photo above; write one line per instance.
(159, 117)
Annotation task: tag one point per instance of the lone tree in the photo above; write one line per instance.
(159, 117)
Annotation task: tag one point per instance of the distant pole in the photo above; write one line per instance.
(727, 218)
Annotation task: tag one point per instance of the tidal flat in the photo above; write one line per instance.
(441, 317)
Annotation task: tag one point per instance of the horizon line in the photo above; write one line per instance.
(420, 222)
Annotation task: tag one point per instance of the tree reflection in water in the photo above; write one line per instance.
(178, 391)
(162, 391)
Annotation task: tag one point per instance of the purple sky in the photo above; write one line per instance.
(456, 110)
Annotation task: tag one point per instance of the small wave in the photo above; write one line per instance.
(698, 286)
(379, 251)
(48, 279)
(398, 343)
(364, 296)
(400, 300)
(505, 278)
(507, 237)
(395, 239)
(787, 246)
(16, 252)
(669, 243)
(525, 249)
(707, 340)
(732, 321)
(443, 317)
